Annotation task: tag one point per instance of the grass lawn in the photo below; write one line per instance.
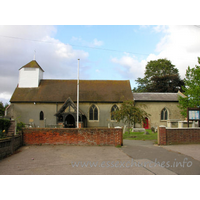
(140, 135)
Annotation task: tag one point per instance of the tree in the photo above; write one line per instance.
(130, 114)
(160, 76)
(2, 108)
(192, 90)
(165, 83)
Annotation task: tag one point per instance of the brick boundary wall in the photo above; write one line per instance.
(9, 145)
(169, 136)
(73, 136)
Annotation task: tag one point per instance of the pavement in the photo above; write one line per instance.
(173, 159)
(134, 158)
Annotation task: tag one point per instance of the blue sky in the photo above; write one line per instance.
(106, 52)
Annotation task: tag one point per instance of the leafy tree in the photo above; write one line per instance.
(160, 76)
(2, 108)
(165, 83)
(192, 90)
(130, 114)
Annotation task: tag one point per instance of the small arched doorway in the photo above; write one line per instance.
(69, 121)
(146, 123)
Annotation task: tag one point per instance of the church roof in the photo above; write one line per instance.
(164, 97)
(90, 91)
(32, 64)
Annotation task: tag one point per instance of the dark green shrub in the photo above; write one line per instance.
(20, 125)
(4, 125)
(2, 134)
(153, 129)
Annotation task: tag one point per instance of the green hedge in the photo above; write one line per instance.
(4, 124)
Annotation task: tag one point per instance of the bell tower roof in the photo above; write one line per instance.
(32, 64)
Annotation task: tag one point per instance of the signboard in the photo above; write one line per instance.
(193, 114)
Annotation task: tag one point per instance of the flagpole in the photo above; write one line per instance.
(78, 96)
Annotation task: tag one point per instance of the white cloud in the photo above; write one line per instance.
(94, 43)
(180, 45)
(129, 67)
(160, 28)
(58, 60)
(97, 43)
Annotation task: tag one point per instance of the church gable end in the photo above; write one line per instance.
(68, 106)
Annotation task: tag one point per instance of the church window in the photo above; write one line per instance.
(93, 113)
(164, 114)
(113, 109)
(41, 115)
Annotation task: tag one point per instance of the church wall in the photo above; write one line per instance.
(104, 111)
(30, 113)
(155, 108)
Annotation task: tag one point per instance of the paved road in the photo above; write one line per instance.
(134, 158)
(179, 159)
(60, 160)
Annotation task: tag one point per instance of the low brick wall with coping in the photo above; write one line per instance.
(73, 136)
(167, 136)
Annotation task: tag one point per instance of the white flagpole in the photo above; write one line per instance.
(78, 96)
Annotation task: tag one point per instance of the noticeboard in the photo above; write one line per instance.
(193, 114)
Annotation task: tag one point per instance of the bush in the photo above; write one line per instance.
(20, 125)
(2, 134)
(4, 125)
(153, 129)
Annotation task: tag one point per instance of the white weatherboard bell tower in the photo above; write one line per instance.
(30, 75)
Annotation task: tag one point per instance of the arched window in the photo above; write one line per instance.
(164, 114)
(93, 113)
(113, 109)
(41, 115)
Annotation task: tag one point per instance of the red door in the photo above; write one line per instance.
(146, 124)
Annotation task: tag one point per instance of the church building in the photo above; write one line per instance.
(38, 102)
(163, 108)
(53, 103)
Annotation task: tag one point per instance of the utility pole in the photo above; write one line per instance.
(78, 96)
